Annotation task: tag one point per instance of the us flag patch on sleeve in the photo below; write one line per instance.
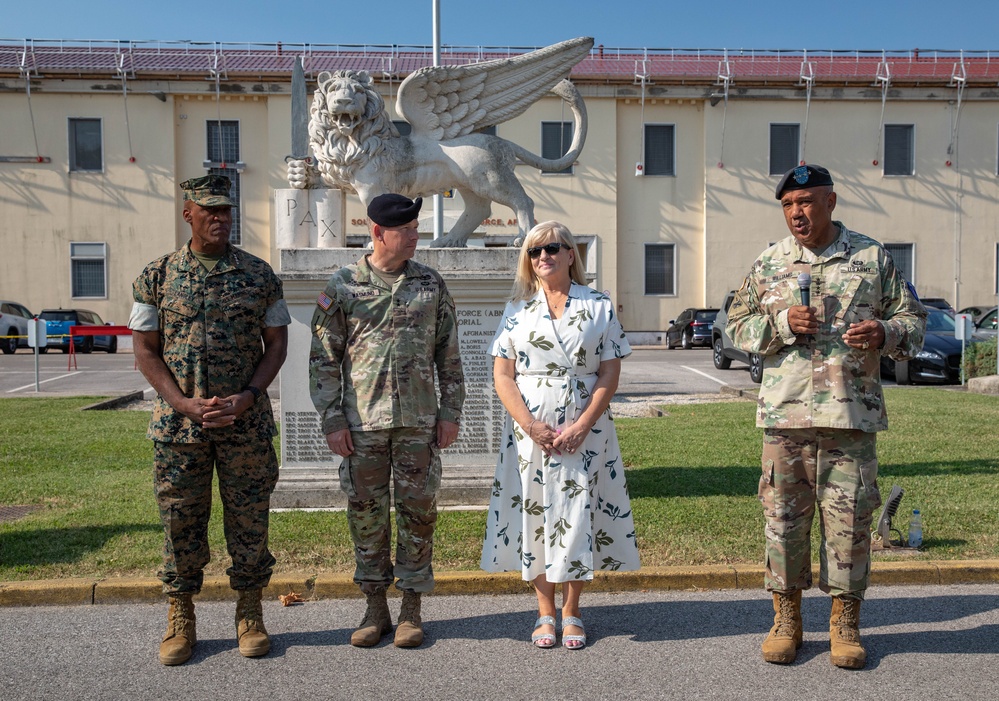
(324, 301)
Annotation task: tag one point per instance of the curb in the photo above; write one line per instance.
(114, 402)
(313, 587)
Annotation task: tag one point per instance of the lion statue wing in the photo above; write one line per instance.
(446, 102)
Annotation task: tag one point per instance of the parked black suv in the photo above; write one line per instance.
(723, 350)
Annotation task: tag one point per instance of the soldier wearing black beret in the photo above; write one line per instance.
(382, 328)
(821, 307)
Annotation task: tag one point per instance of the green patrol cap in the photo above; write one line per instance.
(208, 191)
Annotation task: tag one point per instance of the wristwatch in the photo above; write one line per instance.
(254, 391)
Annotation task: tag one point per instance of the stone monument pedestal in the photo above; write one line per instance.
(479, 280)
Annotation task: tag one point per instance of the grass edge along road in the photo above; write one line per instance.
(692, 474)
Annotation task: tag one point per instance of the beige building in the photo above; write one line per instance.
(91, 155)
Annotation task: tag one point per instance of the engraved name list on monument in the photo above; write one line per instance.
(483, 414)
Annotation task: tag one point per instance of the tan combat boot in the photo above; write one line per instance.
(180, 636)
(250, 632)
(844, 633)
(409, 633)
(376, 623)
(781, 645)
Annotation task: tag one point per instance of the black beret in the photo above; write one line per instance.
(394, 210)
(802, 178)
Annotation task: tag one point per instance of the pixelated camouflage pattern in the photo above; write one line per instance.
(211, 326)
(183, 486)
(374, 351)
(818, 380)
(208, 191)
(837, 471)
(409, 460)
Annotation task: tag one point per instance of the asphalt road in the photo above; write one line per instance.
(923, 643)
(649, 371)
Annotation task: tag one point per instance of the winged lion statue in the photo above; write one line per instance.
(358, 148)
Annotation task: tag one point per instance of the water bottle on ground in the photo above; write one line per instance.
(916, 529)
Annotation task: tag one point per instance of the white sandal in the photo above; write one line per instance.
(544, 640)
(566, 639)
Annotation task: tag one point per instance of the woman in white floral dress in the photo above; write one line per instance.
(559, 508)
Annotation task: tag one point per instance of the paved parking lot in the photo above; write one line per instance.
(96, 374)
(649, 371)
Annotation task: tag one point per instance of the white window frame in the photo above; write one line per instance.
(912, 152)
(71, 144)
(75, 257)
(646, 141)
(770, 148)
(645, 268)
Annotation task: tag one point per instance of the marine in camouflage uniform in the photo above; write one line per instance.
(820, 402)
(210, 329)
(379, 335)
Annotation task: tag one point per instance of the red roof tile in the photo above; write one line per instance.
(238, 61)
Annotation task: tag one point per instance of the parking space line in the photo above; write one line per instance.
(704, 374)
(42, 382)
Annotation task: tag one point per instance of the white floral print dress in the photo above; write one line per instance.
(562, 515)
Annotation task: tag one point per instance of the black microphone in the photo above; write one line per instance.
(805, 286)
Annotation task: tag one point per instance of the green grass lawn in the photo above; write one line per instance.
(692, 475)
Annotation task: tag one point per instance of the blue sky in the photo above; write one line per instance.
(731, 24)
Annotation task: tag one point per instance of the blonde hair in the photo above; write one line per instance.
(526, 284)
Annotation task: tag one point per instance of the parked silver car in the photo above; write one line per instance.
(724, 352)
(14, 320)
(984, 318)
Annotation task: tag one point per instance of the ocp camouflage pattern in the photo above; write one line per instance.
(835, 470)
(375, 349)
(211, 326)
(409, 459)
(812, 381)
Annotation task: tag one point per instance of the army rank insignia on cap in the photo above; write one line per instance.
(324, 301)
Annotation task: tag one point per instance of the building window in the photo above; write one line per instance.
(86, 147)
(490, 130)
(901, 253)
(89, 270)
(223, 154)
(899, 149)
(555, 140)
(784, 140)
(660, 149)
(660, 269)
(404, 128)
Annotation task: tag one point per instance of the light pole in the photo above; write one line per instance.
(438, 199)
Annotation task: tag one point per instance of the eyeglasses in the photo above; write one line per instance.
(549, 248)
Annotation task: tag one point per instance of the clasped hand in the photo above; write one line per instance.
(552, 440)
(217, 411)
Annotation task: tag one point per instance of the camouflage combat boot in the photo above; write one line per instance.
(844, 633)
(250, 631)
(781, 645)
(409, 633)
(376, 623)
(180, 636)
